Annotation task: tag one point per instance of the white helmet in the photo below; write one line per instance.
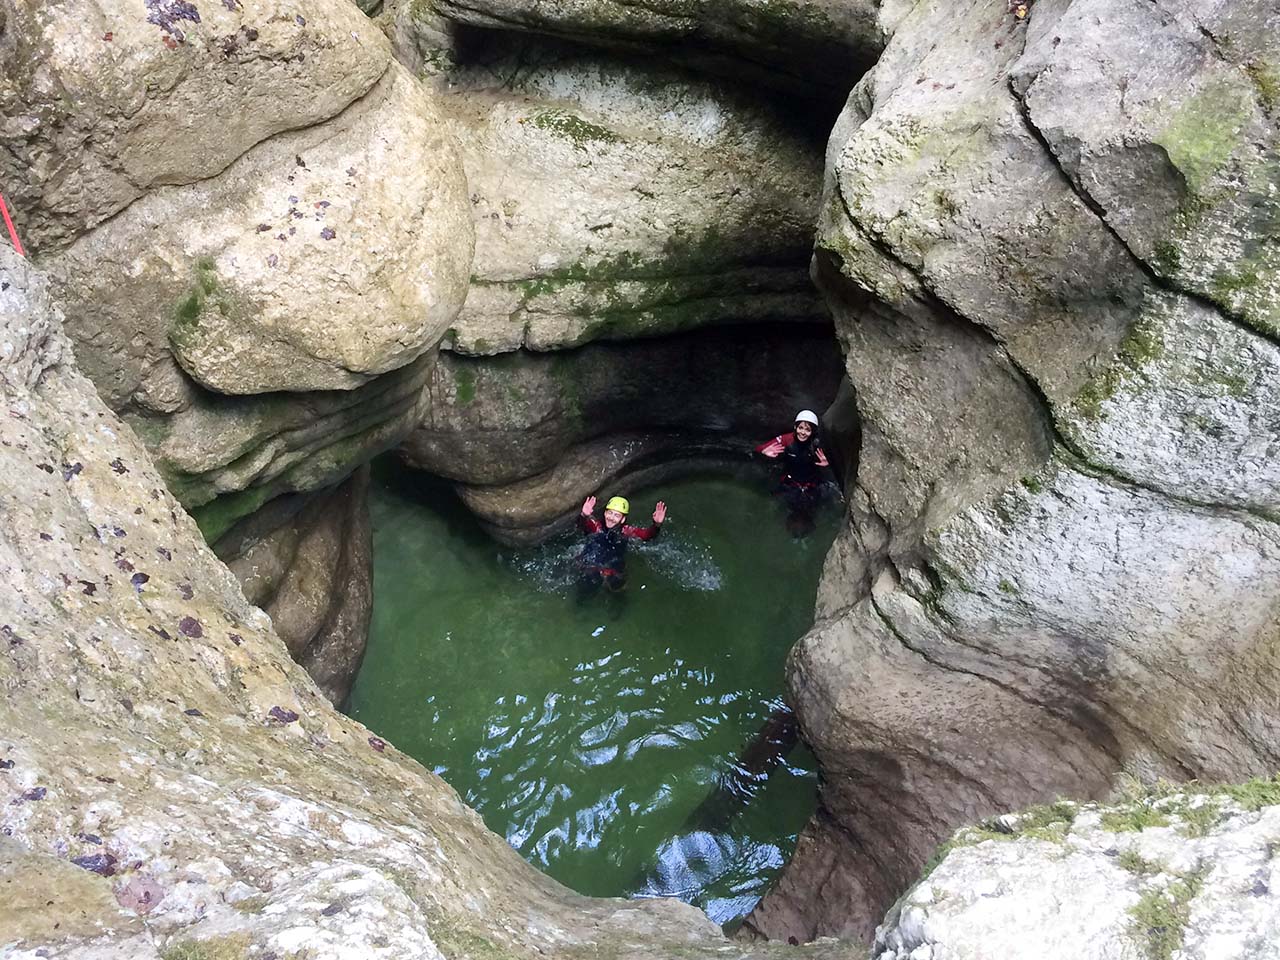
(807, 416)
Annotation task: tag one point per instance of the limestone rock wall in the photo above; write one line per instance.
(307, 561)
(530, 435)
(171, 783)
(616, 197)
(1064, 532)
(254, 219)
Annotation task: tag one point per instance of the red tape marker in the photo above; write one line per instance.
(13, 233)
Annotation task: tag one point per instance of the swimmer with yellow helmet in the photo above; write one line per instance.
(603, 559)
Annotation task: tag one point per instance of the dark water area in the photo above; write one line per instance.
(602, 739)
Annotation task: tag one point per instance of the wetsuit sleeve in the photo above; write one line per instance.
(642, 533)
(774, 447)
(588, 524)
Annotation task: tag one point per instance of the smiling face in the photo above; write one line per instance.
(804, 430)
(613, 517)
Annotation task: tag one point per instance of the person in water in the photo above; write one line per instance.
(803, 461)
(603, 561)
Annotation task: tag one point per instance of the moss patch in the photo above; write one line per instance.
(221, 514)
(1142, 346)
(1266, 82)
(464, 385)
(232, 947)
(1205, 132)
(1134, 862)
(1134, 816)
(571, 127)
(1160, 917)
(206, 294)
(1049, 822)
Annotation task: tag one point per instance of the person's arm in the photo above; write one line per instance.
(649, 532)
(774, 447)
(586, 521)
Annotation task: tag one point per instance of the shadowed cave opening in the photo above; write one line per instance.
(633, 745)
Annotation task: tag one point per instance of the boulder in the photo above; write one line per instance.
(1064, 517)
(316, 261)
(104, 100)
(1185, 874)
(308, 562)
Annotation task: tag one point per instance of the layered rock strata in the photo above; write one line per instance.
(171, 783)
(528, 435)
(618, 198)
(307, 561)
(254, 219)
(1065, 527)
(813, 49)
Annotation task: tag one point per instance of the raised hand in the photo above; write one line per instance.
(588, 506)
(821, 458)
(660, 512)
(773, 448)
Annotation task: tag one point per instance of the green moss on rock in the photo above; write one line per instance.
(464, 382)
(1205, 132)
(206, 293)
(571, 127)
(221, 514)
(232, 947)
(1160, 917)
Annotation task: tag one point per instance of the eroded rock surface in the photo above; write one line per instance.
(308, 562)
(530, 435)
(173, 779)
(102, 100)
(814, 48)
(1064, 524)
(255, 221)
(316, 261)
(1192, 875)
(618, 198)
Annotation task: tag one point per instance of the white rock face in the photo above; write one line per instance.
(1098, 892)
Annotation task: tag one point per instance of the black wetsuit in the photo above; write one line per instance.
(604, 558)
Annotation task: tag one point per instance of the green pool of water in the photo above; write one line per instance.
(593, 735)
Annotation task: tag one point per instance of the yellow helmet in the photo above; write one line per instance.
(618, 503)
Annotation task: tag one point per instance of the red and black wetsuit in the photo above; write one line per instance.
(802, 459)
(605, 553)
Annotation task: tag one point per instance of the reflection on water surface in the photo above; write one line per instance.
(593, 736)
